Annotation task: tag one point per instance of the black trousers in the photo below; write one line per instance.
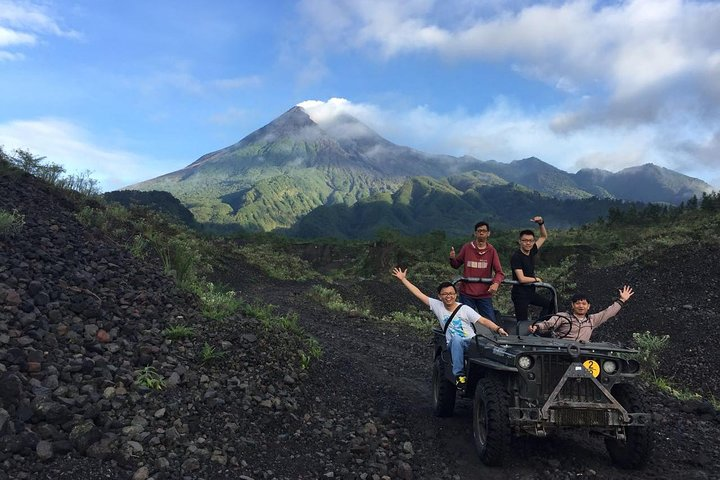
(523, 300)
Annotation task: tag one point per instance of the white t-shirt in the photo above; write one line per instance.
(461, 324)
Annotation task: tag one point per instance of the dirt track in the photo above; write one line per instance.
(367, 366)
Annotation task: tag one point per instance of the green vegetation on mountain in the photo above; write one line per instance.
(422, 205)
(324, 179)
(158, 201)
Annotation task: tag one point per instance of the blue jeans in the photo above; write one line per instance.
(483, 306)
(457, 347)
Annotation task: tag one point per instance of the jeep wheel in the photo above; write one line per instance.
(443, 393)
(491, 425)
(634, 451)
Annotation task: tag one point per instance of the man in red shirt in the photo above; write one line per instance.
(479, 259)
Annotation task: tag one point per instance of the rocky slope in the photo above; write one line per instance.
(81, 319)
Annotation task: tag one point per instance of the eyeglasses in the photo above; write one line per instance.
(448, 294)
(482, 230)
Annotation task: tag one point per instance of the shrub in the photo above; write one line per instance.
(179, 332)
(150, 378)
(82, 183)
(11, 222)
(209, 353)
(179, 256)
(334, 301)
(138, 246)
(215, 302)
(649, 348)
(283, 267)
(420, 321)
(314, 352)
(52, 173)
(262, 312)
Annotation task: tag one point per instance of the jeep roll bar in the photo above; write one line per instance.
(489, 280)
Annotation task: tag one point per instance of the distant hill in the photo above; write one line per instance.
(162, 202)
(423, 204)
(646, 183)
(280, 173)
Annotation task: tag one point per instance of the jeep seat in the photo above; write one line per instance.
(510, 325)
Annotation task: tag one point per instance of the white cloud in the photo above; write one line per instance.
(67, 144)
(12, 37)
(506, 132)
(632, 55)
(24, 23)
(325, 111)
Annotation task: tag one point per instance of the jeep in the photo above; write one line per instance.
(526, 384)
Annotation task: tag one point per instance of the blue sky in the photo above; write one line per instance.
(134, 89)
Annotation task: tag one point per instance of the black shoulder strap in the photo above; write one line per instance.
(447, 324)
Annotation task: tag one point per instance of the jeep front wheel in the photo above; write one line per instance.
(491, 425)
(634, 451)
(443, 390)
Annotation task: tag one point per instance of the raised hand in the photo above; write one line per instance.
(399, 273)
(452, 253)
(625, 293)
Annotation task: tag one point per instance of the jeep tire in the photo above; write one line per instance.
(491, 425)
(634, 451)
(443, 390)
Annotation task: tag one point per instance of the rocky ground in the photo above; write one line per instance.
(81, 319)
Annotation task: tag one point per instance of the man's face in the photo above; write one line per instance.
(447, 295)
(526, 243)
(580, 308)
(482, 233)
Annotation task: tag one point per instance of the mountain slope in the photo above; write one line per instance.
(423, 204)
(281, 172)
(645, 183)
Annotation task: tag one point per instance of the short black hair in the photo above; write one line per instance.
(579, 296)
(445, 285)
(482, 224)
(526, 232)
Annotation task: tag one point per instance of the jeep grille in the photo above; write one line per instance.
(576, 390)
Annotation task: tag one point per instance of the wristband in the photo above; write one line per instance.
(542, 223)
(497, 330)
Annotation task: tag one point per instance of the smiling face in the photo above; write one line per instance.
(580, 307)
(447, 296)
(526, 243)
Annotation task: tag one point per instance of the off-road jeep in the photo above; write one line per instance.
(525, 384)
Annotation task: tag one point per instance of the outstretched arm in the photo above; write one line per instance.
(543, 231)
(402, 275)
(494, 327)
(601, 317)
(544, 326)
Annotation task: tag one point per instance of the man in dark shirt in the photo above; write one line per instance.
(522, 264)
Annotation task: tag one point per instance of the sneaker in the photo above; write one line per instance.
(461, 382)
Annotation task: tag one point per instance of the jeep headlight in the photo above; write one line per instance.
(610, 366)
(525, 362)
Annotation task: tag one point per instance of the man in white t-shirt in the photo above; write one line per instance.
(460, 331)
